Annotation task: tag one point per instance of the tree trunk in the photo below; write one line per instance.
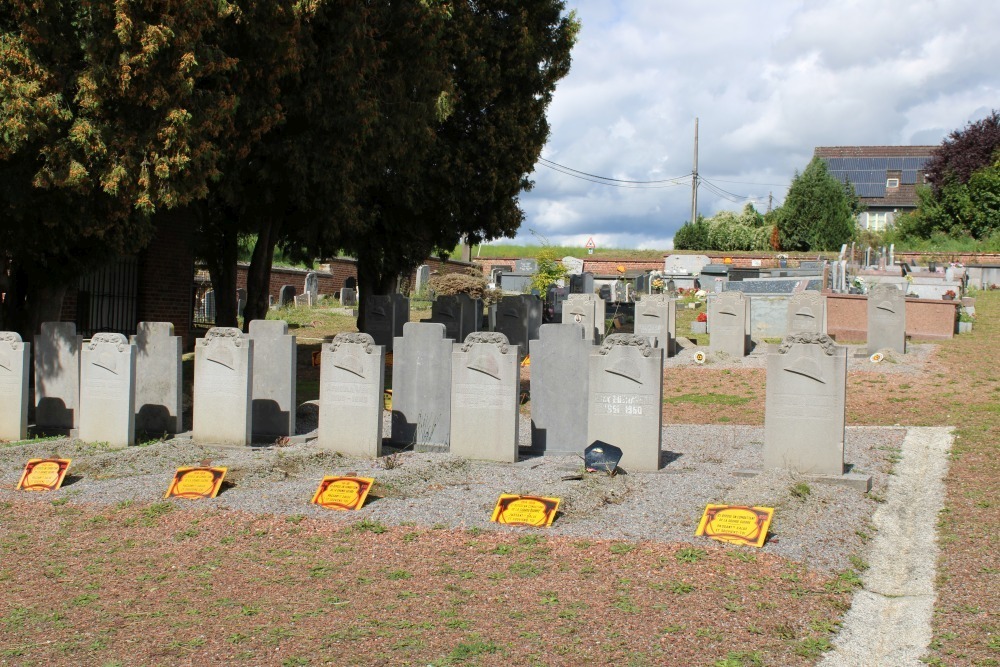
(372, 280)
(28, 302)
(259, 273)
(222, 269)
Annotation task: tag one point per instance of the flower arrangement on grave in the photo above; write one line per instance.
(949, 295)
(657, 285)
(702, 317)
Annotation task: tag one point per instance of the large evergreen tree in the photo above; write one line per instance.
(819, 211)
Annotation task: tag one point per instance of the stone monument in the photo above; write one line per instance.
(729, 324)
(806, 312)
(484, 398)
(559, 381)
(385, 316)
(158, 379)
(656, 318)
(588, 311)
(421, 387)
(886, 319)
(107, 396)
(352, 386)
(15, 359)
(57, 377)
(274, 369)
(223, 382)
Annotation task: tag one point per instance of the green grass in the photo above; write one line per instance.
(708, 399)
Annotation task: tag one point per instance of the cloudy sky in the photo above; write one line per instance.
(768, 81)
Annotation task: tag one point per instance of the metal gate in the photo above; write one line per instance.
(108, 299)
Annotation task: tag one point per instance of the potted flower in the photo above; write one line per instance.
(949, 295)
(700, 324)
(965, 321)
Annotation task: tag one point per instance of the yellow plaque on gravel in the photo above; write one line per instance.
(514, 510)
(343, 493)
(196, 482)
(43, 474)
(736, 524)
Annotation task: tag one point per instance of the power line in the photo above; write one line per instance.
(561, 167)
(615, 183)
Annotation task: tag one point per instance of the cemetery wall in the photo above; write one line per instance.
(847, 318)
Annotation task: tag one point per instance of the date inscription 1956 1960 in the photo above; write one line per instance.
(622, 404)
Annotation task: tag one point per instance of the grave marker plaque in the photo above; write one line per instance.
(352, 385)
(729, 324)
(421, 387)
(223, 383)
(15, 356)
(886, 319)
(484, 390)
(626, 398)
(274, 366)
(57, 376)
(158, 378)
(559, 380)
(107, 396)
(807, 312)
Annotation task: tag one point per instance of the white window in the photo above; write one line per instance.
(892, 182)
(877, 222)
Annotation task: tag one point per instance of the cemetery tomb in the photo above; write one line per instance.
(15, 357)
(107, 396)
(484, 391)
(886, 319)
(311, 286)
(158, 379)
(807, 312)
(286, 296)
(385, 316)
(656, 318)
(626, 398)
(352, 385)
(223, 383)
(729, 324)
(273, 395)
(421, 387)
(57, 377)
(559, 381)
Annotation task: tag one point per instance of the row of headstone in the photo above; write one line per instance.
(460, 314)
(656, 318)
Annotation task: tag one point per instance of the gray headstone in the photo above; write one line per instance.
(241, 301)
(302, 300)
(526, 266)
(15, 359)
(626, 400)
(559, 381)
(158, 378)
(689, 264)
(886, 319)
(574, 266)
(588, 311)
(385, 316)
(210, 305)
(107, 396)
(351, 395)
(421, 387)
(348, 297)
(57, 376)
(311, 285)
(484, 397)
(806, 312)
(286, 296)
(518, 319)
(447, 310)
(805, 403)
(582, 284)
(223, 382)
(423, 276)
(274, 366)
(656, 318)
(729, 324)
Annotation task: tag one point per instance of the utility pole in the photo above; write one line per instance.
(694, 177)
(770, 201)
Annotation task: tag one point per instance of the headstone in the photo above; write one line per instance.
(656, 318)
(559, 380)
(526, 266)
(421, 387)
(685, 264)
(805, 406)
(582, 284)
(15, 357)
(57, 376)
(241, 301)
(348, 297)
(423, 275)
(886, 319)
(210, 310)
(107, 396)
(807, 312)
(484, 393)
(385, 316)
(274, 366)
(352, 386)
(311, 285)
(286, 296)
(574, 266)
(518, 319)
(223, 382)
(158, 379)
(626, 400)
(447, 310)
(729, 324)
(302, 300)
(588, 311)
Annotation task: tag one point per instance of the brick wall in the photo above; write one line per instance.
(166, 272)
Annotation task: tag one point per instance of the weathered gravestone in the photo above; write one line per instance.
(303, 300)
(526, 266)
(588, 311)
(460, 314)
(311, 284)
(559, 381)
(348, 297)
(656, 318)
(15, 356)
(518, 319)
(158, 378)
(286, 296)
(582, 283)
(385, 316)
(421, 387)
(223, 382)
(729, 324)
(806, 312)
(210, 309)
(57, 377)
(574, 265)
(626, 399)
(107, 396)
(484, 393)
(804, 408)
(886, 319)
(273, 393)
(423, 274)
(352, 385)
(241, 301)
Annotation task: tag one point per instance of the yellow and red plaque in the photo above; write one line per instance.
(736, 524)
(515, 510)
(343, 493)
(43, 474)
(196, 482)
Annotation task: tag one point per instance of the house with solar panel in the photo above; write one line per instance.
(885, 178)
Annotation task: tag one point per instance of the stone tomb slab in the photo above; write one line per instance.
(518, 319)
(729, 324)
(421, 388)
(223, 384)
(886, 319)
(559, 381)
(107, 390)
(15, 359)
(385, 316)
(57, 377)
(158, 379)
(656, 318)
(806, 312)
(273, 394)
(352, 384)
(484, 393)
(586, 310)
(626, 399)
